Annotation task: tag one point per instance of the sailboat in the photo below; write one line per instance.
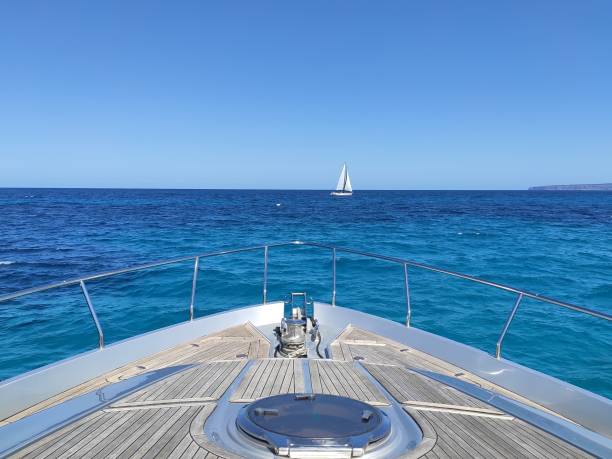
(343, 188)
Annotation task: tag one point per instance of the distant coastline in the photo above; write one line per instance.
(589, 187)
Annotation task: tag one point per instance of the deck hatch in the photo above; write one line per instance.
(309, 425)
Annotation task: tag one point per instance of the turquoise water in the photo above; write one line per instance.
(558, 244)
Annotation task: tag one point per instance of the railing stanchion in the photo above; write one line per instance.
(194, 285)
(265, 278)
(334, 276)
(498, 346)
(405, 262)
(407, 291)
(93, 315)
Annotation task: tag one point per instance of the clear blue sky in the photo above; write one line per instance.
(258, 94)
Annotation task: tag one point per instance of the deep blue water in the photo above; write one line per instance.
(553, 243)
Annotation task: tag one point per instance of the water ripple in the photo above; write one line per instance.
(557, 244)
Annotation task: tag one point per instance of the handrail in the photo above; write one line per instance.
(335, 249)
(536, 296)
(265, 276)
(521, 293)
(94, 316)
(194, 285)
(153, 264)
(502, 335)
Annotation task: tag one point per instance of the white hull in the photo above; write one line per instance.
(341, 193)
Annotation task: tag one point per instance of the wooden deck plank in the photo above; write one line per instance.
(277, 384)
(469, 436)
(97, 433)
(315, 378)
(190, 451)
(358, 380)
(228, 378)
(461, 427)
(55, 448)
(536, 437)
(217, 346)
(259, 371)
(336, 350)
(205, 382)
(66, 443)
(95, 446)
(377, 349)
(167, 418)
(408, 386)
(177, 431)
(288, 384)
(180, 448)
(169, 439)
(34, 450)
(115, 445)
(162, 389)
(49, 444)
(150, 433)
(342, 378)
(298, 376)
(329, 385)
(267, 388)
(268, 377)
(258, 388)
(158, 432)
(204, 375)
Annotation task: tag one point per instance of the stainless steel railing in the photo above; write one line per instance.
(334, 250)
(81, 280)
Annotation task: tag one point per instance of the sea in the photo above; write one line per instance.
(557, 244)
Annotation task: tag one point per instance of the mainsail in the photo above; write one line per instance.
(344, 182)
(347, 184)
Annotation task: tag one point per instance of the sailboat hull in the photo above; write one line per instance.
(341, 193)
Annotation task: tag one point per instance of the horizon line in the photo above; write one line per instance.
(264, 189)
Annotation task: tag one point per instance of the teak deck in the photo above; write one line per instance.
(268, 377)
(166, 418)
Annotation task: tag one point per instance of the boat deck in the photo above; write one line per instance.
(243, 342)
(167, 418)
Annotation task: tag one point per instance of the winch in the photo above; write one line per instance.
(292, 335)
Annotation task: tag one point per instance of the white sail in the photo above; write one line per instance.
(341, 179)
(343, 188)
(347, 185)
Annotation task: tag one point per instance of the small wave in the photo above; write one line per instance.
(6, 262)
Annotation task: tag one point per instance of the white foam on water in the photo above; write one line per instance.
(6, 262)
